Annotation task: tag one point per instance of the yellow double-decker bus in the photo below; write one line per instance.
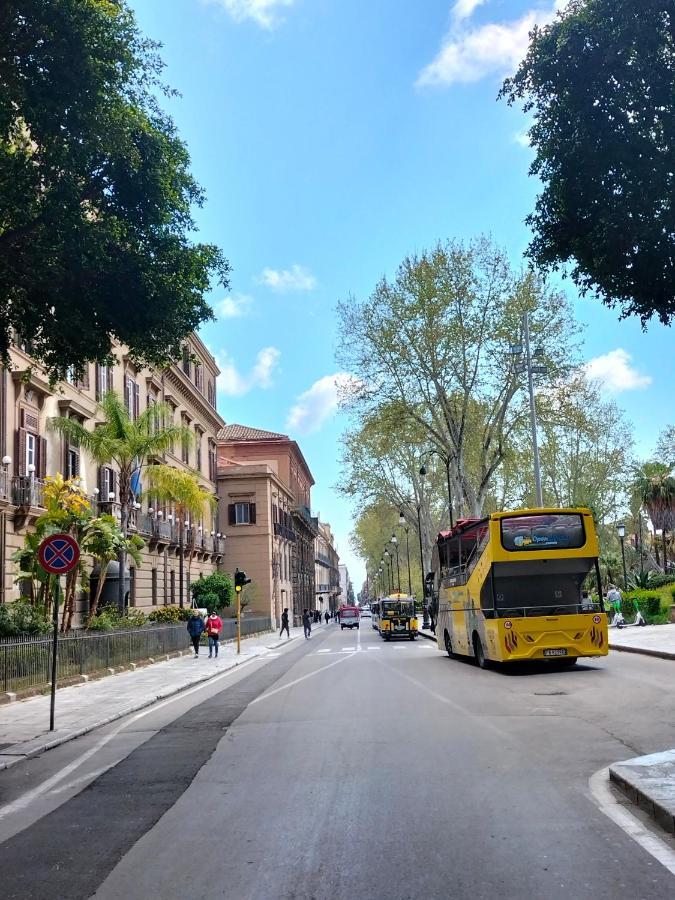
(518, 586)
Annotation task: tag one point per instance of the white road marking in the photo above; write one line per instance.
(284, 687)
(610, 806)
(47, 785)
(325, 650)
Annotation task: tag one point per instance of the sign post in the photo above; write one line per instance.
(238, 591)
(58, 554)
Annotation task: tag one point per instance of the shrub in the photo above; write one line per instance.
(108, 618)
(648, 602)
(168, 615)
(22, 617)
(101, 622)
(215, 589)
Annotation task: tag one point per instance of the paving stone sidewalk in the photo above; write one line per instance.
(24, 725)
(649, 781)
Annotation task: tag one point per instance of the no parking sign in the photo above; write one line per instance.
(58, 554)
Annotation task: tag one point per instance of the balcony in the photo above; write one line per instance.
(26, 491)
(322, 559)
(283, 531)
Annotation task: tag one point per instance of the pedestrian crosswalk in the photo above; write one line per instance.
(360, 648)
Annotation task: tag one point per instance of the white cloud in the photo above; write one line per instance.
(522, 138)
(615, 372)
(469, 54)
(264, 12)
(234, 306)
(297, 278)
(319, 402)
(464, 9)
(232, 383)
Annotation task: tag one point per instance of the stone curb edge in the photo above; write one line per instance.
(73, 735)
(637, 795)
(661, 654)
(429, 637)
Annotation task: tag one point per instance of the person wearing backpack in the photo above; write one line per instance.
(214, 625)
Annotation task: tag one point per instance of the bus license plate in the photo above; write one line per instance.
(556, 651)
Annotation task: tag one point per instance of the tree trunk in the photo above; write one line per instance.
(122, 555)
(665, 553)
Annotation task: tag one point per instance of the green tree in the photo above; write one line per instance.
(436, 342)
(213, 592)
(131, 444)
(598, 82)
(655, 487)
(95, 191)
(189, 500)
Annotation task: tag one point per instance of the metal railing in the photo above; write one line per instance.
(284, 531)
(25, 662)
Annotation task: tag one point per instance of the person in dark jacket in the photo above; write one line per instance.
(326, 617)
(284, 624)
(307, 623)
(195, 627)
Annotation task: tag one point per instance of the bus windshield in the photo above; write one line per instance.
(547, 531)
(397, 608)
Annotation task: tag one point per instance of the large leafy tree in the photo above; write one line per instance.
(599, 83)
(434, 343)
(95, 190)
(655, 487)
(132, 445)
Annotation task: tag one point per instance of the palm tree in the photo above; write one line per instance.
(131, 444)
(189, 499)
(655, 487)
(103, 539)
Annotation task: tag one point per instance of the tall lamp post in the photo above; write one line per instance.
(447, 459)
(621, 531)
(524, 366)
(389, 559)
(425, 607)
(394, 541)
(401, 521)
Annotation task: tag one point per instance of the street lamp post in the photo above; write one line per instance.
(446, 460)
(401, 521)
(526, 368)
(621, 531)
(425, 609)
(394, 541)
(390, 559)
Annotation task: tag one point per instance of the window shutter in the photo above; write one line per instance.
(137, 401)
(251, 513)
(97, 384)
(127, 381)
(42, 458)
(76, 463)
(21, 451)
(230, 511)
(109, 378)
(101, 484)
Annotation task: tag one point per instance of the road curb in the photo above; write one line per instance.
(647, 782)
(429, 637)
(28, 749)
(643, 651)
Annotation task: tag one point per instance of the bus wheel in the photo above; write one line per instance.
(448, 644)
(479, 653)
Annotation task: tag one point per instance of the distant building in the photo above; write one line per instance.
(264, 486)
(326, 563)
(346, 589)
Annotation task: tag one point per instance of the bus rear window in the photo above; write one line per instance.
(548, 531)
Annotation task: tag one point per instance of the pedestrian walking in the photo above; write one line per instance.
(614, 598)
(214, 626)
(307, 623)
(195, 627)
(326, 617)
(284, 624)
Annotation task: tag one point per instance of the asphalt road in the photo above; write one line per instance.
(346, 768)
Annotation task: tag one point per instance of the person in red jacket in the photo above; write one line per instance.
(214, 626)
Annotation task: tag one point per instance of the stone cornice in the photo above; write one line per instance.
(186, 390)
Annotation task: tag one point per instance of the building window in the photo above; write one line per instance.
(241, 514)
(154, 587)
(213, 462)
(104, 380)
(211, 393)
(31, 452)
(198, 449)
(106, 483)
(185, 446)
(173, 586)
(72, 462)
(131, 397)
(199, 377)
(186, 360)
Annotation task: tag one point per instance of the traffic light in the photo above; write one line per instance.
(240, 580)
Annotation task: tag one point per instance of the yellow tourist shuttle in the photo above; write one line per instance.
(394, 617)
(518, 586)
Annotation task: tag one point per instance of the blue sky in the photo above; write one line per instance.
(334, 137)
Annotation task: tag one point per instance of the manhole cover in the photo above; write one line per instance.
(549, 693)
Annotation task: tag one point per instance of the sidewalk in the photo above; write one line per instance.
(650, 640)
(82, 708)
(649, 781)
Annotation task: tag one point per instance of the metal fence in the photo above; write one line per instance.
(25, 662)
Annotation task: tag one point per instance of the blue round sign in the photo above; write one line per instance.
(58, 554)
